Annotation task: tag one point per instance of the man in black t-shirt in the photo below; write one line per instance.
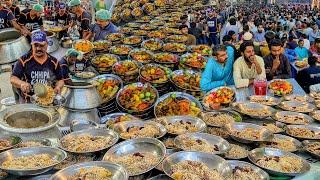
(37, 66)
(83, 18)
(30, 19)
(14, 9)
(62, 19)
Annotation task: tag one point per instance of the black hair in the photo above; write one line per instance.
(183, 26)
(233, 21)
(231, 33)
(312, 60)
(218, 48)
(317, 40)
(226, 38)
(245, 44)
(275, 42)
(300, 40)
(269, 36)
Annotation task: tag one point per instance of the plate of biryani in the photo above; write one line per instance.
(237, 151)
(315, 95)
(283, 142)
(300, 98)
(202, 142)
(304, 131)
(274, 127)
(254, 110)
(177, 125)
(218, 132)
(34, 143)
(278, 162)
(49, 100)
(313, 148)
(248, 133)
(139, 129)
(289, 117)
(315, 115)
(296, 106)
(195, 165)
(265, 100)
(114, 118)
(137, 156)
(246, 171)
(88, 141)
(74, 159)
(8, 142)
(30, 160)
(220, 118)
(95, 170)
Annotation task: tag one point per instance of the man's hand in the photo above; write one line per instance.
(251, 81)
(275, 64)
(57, 90)
(25, 87)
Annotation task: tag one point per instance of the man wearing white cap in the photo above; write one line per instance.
(102, 27)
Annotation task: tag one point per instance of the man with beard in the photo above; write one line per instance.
(259, 35)
(62, 18)
(83, 18)
(102, 27)
(248, 67)
(37, 66)
(30, 19)
(14, 9)
(276, 63)
(213, 27)
(218, 71)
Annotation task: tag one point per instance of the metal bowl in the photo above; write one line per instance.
(147, 61)
(212, 161)
(184, 73)
(139, 145)
(258, 153)
(315, 115)
(44, 142)
(312, 128)
(160, 177)
(240, 107)
(58, 101)
(308, 143)
(177, 95)
(118, 172)
(20, 113)
(280, 114)
(206, 105)
(265, 133)
(110, 119)
(55, 153)
(223, 145)
(236, 117)
(155, 40)
(300, 98)
(201, 126)
(265, 100)
(93, 132)
(262, 174)
(81, 124)
(108, 77)
(297, 144)
(14, 141)
(123, 126)
(166, 70)
(291, 106)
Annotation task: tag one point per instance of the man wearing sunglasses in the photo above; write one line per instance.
(37, 66)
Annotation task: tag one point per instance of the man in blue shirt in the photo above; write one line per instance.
(102, 27)
(218, 71)
(259, 35)
(301, 51)
(213, 27)
(310, 75)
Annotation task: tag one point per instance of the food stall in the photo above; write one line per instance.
(145, 117)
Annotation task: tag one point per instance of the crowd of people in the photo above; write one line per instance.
(249, 41)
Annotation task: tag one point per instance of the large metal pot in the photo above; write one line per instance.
(53, 43)
(29, 121)
(81, 96)
(12, 45)
(68, 115)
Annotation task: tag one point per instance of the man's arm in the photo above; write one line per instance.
(287, 69)
(238, 80)
(85, 26)
(206, 82)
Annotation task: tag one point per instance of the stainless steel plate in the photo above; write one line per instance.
(118, 172)
(263, 132)
(212, 161)
(206, 105)
(110, 119)
(297, 144)
(300, 98)
(93, 132)
(222, 145)
(243, 107)
(261, 173)
(139, 145)
(123, 126)
(307, 144)
(281, 115)
(310, 128)
(236, 117)
(258, 153)
(315, 115)
(296, 106)
(55, 153)
(197, 122)
(265, 100)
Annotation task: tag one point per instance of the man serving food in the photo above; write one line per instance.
(37, 66)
